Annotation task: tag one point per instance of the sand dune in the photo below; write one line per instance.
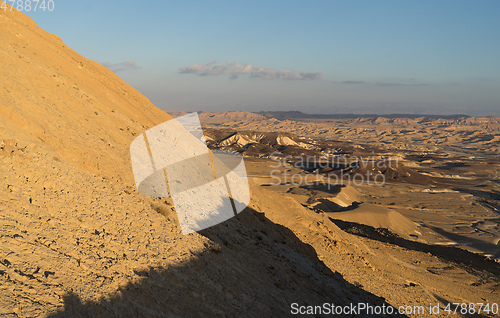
(380, 217)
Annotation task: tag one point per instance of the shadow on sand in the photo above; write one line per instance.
(252, 268)
(471, 261)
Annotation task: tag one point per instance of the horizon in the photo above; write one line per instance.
(457, 115)
(330, 57)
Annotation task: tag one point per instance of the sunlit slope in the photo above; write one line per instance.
(52, 95)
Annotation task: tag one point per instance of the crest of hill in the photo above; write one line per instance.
(230, 116)
(54, 97)
(215, 118)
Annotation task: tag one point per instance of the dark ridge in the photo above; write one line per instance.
(469, 261)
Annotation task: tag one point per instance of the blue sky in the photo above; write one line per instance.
(433, 57)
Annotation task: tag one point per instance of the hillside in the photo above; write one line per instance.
(53, 97)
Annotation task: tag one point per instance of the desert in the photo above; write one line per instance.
(78, 239)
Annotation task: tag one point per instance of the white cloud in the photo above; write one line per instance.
(234, 69)
(122, 66)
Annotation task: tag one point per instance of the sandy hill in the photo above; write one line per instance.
(76, 239)
(52, 96)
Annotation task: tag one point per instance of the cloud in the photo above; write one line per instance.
(234, 69)
(122, 66)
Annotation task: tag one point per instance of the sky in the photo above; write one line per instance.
(349, 56)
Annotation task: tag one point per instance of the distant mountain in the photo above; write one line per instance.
(282, 115)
